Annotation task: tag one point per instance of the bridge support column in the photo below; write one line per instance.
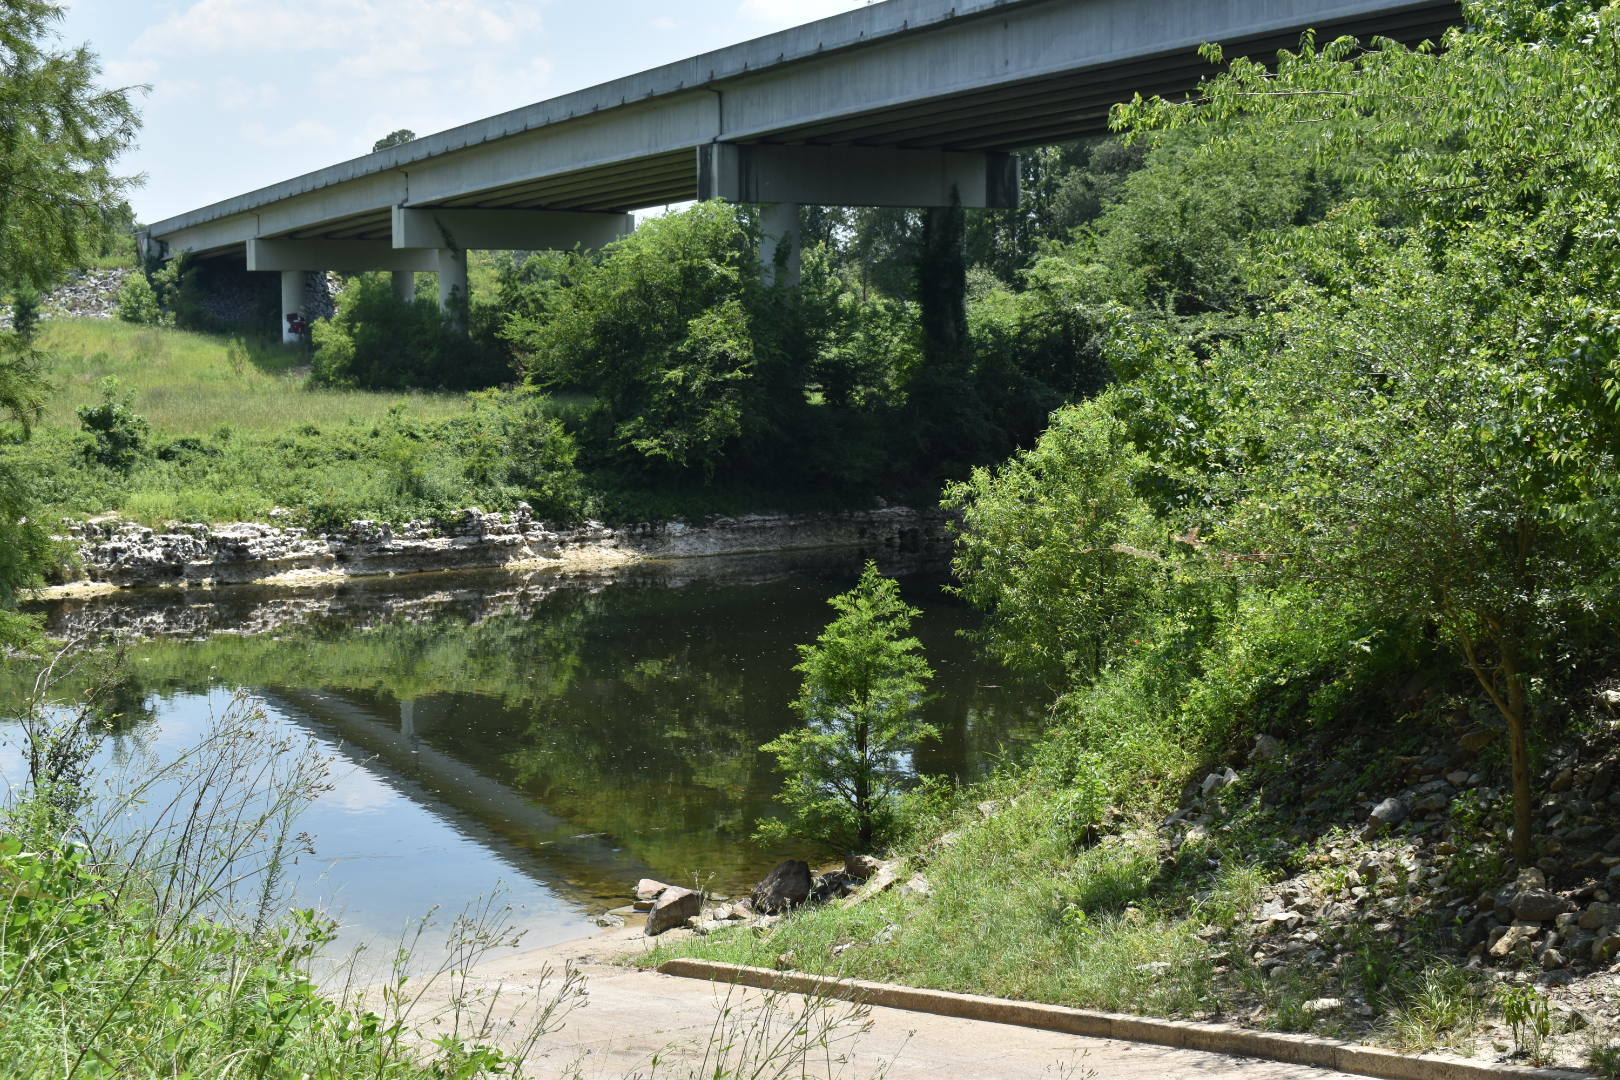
(292, 303)
(405, 284)
(780, 243)
(453, 282)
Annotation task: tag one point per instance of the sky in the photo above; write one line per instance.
(244, 93)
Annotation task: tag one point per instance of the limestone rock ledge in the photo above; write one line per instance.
(122, 554)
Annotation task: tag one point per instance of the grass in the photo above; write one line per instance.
(189, 384)
(1019, 910)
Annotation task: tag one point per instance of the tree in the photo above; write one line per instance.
(1426, 419)
(1057, 547)
(860, 699)
(664, 330)
(59, 135)
(394, 138)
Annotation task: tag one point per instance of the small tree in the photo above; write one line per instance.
(393, 139)
(863, 684)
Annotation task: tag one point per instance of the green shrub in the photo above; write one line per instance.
(377, 341)
(138, 302)
(25, 314)
(117, 436)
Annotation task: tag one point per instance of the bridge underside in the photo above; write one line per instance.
(1000, 119)
(906, 103)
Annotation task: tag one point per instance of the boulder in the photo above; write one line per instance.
(648, 889)
(862, 866)
(1598, 916)
(673, 907)
(1515, 938)
(1266, 748)
(1472, 742)
(1537, 905)
(787, 885)
(832, 886)
(1386, 815)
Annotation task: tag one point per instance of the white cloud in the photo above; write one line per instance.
(234, 94)
(304, 134)
(784, 13)
(377, 34)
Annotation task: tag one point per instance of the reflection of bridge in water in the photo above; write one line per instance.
(583, 869)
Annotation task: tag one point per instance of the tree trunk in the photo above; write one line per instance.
(1520, 754)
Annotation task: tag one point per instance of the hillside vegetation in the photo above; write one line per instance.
(1325, 581)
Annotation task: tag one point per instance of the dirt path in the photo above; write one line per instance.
(640, 1023)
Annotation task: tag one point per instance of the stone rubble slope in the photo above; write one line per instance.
(1419, 872)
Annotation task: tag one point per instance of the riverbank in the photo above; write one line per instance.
(110, 554)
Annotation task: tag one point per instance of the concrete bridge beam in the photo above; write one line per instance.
(344, 256)
(856, 176)
(507, 230)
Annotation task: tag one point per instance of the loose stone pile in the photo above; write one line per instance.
(88, 294)
(791, 884)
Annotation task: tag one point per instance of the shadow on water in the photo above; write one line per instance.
(567, 733)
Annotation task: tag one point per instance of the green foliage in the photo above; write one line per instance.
(25, 314)
(1058, 548)
(117, 436)
(377, 341)
(863, 684)
(63, 133)
(663, 331)
(57, 192)
(394, 138)
(138, 302)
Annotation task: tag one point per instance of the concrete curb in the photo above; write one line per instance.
(1218, 1038)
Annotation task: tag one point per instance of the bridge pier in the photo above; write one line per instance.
(780, 243)
(292, 303)
(453, 283)
(405, 284)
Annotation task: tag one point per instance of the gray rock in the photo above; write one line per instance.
(1516, 938)
(1386, 815)
(1266, 748)
(1537, 905)
(1551, 959)
(673, 908)
(862, 866)
(1598, 916)
(1605, 947)
(1318, 1006)
(787, 885)
(648, 889)
(1474, 741)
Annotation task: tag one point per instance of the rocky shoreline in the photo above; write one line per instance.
(115, 554)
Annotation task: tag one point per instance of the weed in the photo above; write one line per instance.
(1529, 1014)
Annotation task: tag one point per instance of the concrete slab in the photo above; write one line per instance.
(641, 1023)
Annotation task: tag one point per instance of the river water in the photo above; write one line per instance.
(547, 739)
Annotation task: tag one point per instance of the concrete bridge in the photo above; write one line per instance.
(912, 103)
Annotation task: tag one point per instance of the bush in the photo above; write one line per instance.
(1057, 547)
(376, 341)
(117, 435)
(863, 683)
(138, 302)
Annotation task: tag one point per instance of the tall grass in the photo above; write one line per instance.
(188, 383)
(143, 930)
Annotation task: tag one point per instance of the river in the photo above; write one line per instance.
(547, 739)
